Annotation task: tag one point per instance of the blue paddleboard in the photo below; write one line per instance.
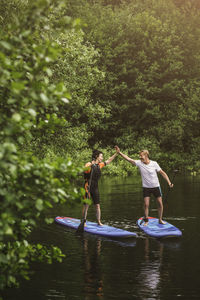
(157, 230)
(94, 228)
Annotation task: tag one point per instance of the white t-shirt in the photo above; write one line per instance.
(149, 173)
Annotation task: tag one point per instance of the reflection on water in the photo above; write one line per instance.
(93, 277)
(149, 274)
(98, 268)
(93, 264)
(53, 294)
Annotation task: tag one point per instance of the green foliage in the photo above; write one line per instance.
(79, 112)
(29, 99)
(77, 68)
(149, 51)
(34, 186)
(76, 75)
(15, 258)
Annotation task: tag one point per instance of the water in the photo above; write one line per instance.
(102, 269)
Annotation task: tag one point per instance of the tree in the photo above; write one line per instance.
(149, 52)
(29, 185)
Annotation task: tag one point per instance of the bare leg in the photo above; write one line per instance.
(85, 211)
(146, 208)
(160, 210)
(98, 214)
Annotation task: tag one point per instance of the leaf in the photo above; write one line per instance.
(6, 45)
(62, 192)
(18, 86)
(32, 112)
(44, 98)
(49, 72)
(39, 246)
(65, 100)
(8, 230)
(39, 204)
(49, 220)
(3, 259)
(16, 117)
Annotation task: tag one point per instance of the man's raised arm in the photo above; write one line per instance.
(125, 156)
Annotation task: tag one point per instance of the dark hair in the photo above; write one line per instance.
(95, 154)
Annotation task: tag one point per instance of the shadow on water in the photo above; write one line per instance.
(97, 268)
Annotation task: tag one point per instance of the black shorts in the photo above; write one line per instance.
(155, 191)
(94, 192)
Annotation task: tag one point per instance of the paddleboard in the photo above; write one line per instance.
(94, 228)
(157, 230)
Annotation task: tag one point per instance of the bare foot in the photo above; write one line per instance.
(99, 223)
(145, 221)
(162, 222)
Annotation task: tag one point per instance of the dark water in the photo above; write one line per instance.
(103, 269)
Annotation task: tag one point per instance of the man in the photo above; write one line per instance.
(148, 170)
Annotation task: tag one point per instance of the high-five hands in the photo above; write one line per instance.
(117, 149)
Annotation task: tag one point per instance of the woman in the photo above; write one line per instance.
(92, 176)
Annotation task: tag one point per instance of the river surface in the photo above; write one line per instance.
(142, 268)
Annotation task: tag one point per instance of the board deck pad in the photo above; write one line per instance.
(157, 230)
(94, 228)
